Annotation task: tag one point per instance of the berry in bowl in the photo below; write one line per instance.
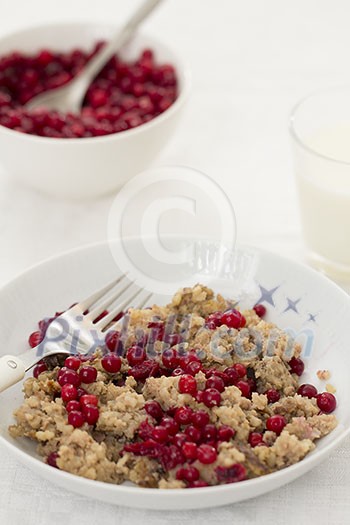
(124, 95)
(169, 408)
(194, 426)
(129, 113)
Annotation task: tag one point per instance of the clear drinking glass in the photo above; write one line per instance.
(320, 131)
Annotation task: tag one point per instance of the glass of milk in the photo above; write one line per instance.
(320, 130)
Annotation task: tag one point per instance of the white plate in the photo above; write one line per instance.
(303, 301)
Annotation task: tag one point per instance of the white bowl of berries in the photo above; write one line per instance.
(129, 113)
(130, 426)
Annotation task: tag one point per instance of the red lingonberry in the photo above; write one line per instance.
(260, 310)
(233, 319)
(36, 337)
(160, 434)
(272, 395)
(326, 402)
(170, 424)
(240, 369)
(39, 369)
(154, 409)
(68, 393)
(296, 366)
(255, 438)
(111, 363)
(52, 459)
(307, 390)
(73, 405)
(76, 418)
(211, 397)
(276, 423)
(183, 415)
(88, 399)
(112, 340)
(72, 362)
(232, 474)
(136, 355)
(68, 376)
(206, 454)
(244, 387)
(225, 433)
(189, 450)
(170, 358)
(187, 385)
(87, 374)
(91, 413)
(215, 382)
(200, 418)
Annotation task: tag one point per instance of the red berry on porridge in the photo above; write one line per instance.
(172, 403)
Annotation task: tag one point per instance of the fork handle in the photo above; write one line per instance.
(12, 370)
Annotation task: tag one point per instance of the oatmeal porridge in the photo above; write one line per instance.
(191, 394)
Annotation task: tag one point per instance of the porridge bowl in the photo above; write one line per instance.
(304, 304)
(115, 136)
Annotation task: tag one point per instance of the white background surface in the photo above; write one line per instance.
(251, 62)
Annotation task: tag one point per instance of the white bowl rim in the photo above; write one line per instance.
(310, 460)
(179, 101)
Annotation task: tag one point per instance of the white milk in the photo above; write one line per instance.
(324, 190)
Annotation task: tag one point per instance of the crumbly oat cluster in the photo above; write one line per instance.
(192, 394)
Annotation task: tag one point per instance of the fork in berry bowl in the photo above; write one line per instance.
(80, 329)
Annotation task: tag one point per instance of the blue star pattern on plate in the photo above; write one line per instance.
(267, 295)
(292, 305)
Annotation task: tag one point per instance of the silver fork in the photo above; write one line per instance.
(78, 330)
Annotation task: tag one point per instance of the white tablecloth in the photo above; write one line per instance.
(251, 61)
